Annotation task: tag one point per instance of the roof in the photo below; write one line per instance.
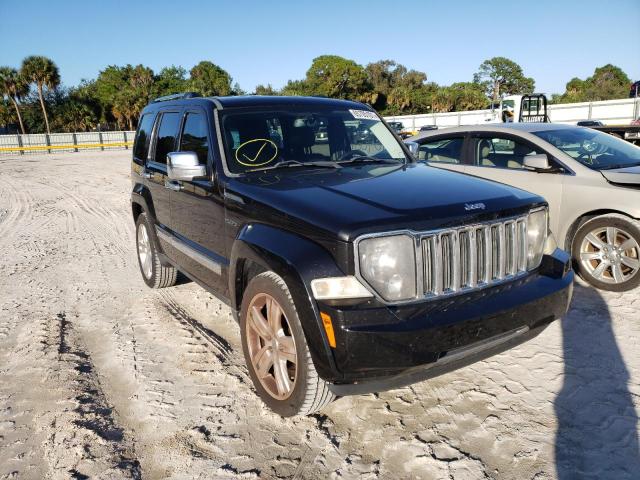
(495, 127)
(278, 101)
(260, 101)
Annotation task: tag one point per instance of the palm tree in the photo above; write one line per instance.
(13, 86)
(44, 73)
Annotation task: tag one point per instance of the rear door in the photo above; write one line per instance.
(443, 152)
(164, 141)
(500, 157)
(197, 209)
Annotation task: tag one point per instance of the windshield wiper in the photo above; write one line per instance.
(297, 163)
(367, 159)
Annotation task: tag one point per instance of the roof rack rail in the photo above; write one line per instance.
(176, 96)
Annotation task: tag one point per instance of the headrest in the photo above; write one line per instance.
(484, 148)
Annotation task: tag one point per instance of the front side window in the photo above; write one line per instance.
(500, 152)
(141, 144)
(256, 140)
(596, 150)
(166, 138)
(448, 150)
(194, 136)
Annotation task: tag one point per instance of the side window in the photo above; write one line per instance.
(141, 143)
(502, 153)
(447, 150)
(166, 138)
(194, 136)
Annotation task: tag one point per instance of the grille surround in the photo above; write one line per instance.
(425, 291)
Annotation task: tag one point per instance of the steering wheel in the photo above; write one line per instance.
(589, 149)
(352, 153)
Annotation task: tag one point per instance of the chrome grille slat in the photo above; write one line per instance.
(471, 257)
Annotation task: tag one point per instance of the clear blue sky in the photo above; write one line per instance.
(270, 42)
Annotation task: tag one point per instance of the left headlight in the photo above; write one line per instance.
(537, 231)
(388, 265)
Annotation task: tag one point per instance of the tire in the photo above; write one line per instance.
(599, 264)
(304, 392)
(154, 274)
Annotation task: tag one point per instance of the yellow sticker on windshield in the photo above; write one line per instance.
(256, 152)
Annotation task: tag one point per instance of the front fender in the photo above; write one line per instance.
(297, 260)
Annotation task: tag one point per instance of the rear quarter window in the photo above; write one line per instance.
(143, 136)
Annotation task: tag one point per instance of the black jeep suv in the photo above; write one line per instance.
(350, 267)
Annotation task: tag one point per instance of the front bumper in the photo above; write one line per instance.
(380, 348)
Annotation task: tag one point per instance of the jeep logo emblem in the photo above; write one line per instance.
(474, 206)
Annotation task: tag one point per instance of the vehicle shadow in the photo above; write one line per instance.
(597, 433)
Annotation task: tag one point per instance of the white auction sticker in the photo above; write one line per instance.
(364, 114)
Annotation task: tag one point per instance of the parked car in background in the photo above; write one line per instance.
(589, 123)
(590, 179)
(428, 128)
(349, 267)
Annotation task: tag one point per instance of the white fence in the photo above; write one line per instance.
(64, 142)
(609, 112)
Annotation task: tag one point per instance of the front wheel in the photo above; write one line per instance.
(606, 252)
(276, 352)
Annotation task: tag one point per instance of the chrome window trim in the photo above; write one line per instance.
(436, 235)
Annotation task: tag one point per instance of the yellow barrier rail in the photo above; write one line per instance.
(65, 147)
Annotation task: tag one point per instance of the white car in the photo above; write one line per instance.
(590, 179)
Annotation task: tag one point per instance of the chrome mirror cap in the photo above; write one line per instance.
(184, 166)
(413, 147)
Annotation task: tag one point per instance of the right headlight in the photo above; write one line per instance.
(388, 265)
(537, 231)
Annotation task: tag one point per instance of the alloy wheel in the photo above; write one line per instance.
(144, 251)
(610, 255)
(271, 346)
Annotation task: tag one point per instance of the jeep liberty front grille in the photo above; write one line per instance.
(472, 257)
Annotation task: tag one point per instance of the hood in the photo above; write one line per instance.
(623, 176)
(373, 198)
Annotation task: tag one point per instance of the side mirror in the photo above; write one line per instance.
(413, 147)
(537, 163)
(184, 166)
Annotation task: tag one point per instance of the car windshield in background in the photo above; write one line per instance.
(594, 149)
(259, 140)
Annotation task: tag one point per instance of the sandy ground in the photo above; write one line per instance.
(101, 377)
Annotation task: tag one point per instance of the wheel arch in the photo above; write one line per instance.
(298, 260)
(584, 218)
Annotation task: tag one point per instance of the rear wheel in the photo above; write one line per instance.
(154, 274)
(606, 252)
(276, 352)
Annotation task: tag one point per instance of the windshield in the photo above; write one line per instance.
(260, 139)
(594, 149)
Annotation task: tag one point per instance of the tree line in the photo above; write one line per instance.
(34, 99)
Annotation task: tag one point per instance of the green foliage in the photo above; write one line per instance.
(501, 76)
(119, 93)
(170, 80)
(607, 83)
(14, 87)
(265, 90)
(208, 79)
(337, 77)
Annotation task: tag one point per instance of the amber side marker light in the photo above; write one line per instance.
(328, 328)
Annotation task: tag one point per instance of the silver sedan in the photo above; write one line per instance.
(590, 179)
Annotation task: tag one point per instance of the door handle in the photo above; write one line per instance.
(147, 175)
(173, 185)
